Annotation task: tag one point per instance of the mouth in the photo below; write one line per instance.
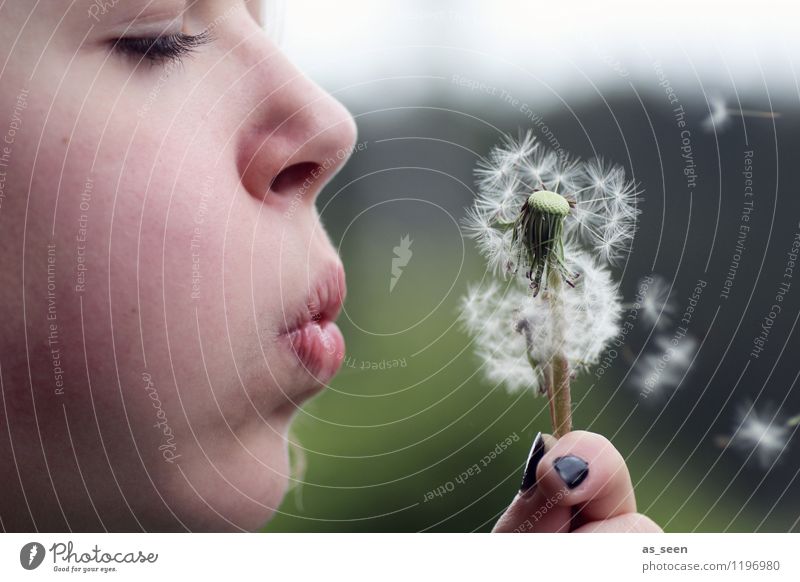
(312, 336)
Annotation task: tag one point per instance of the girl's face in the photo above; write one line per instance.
(167, 288)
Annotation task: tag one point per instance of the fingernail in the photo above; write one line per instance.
(536, 454)
(572, 470)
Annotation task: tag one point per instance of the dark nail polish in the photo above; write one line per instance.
(536, 454)
(572, 470)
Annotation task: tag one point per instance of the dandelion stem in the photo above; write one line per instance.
(562, 402)
(548, 383)
(558, 367)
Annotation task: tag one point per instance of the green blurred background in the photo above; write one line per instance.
(410, 411)
(432, 91)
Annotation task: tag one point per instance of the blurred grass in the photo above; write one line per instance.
(379, 439)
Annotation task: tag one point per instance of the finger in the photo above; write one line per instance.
(534, 513)
(584, 471)
(627, 523)
(531, 510)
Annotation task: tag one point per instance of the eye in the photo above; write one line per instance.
(160, 49)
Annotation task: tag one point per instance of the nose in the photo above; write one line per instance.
(296, 136)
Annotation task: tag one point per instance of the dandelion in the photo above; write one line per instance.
(560, 221)
(530, 199)
(760, 433)
(719, 115)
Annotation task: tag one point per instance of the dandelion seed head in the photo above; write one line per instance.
(489, 315)
(591, 312)
(604, 202)
(549, 202)
(592, 308)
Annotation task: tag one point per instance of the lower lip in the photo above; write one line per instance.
(320, 348)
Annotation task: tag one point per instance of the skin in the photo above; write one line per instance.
(603, 502)
(175, 410)
(131, 399)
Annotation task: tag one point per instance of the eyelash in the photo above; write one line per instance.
(161, 49)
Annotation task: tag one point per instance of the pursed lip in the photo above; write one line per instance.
(311, 332)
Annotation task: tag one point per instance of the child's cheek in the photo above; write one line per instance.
(131, 242)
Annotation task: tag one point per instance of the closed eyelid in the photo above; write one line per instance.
(162, 48)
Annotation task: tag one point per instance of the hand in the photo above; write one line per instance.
(581, 485)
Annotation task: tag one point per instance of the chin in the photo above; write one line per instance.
(231, 511)
(234, 488)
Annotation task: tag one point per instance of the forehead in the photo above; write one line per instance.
(159, 9)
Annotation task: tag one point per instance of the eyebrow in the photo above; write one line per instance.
(98, 10)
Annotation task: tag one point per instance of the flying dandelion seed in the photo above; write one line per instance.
(657, 308)
(761, 435)
(665, 368)
(555, 219)
(719, 116)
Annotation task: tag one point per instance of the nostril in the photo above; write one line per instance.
(292, 178)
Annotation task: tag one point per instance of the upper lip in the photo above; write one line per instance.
(323, 302)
